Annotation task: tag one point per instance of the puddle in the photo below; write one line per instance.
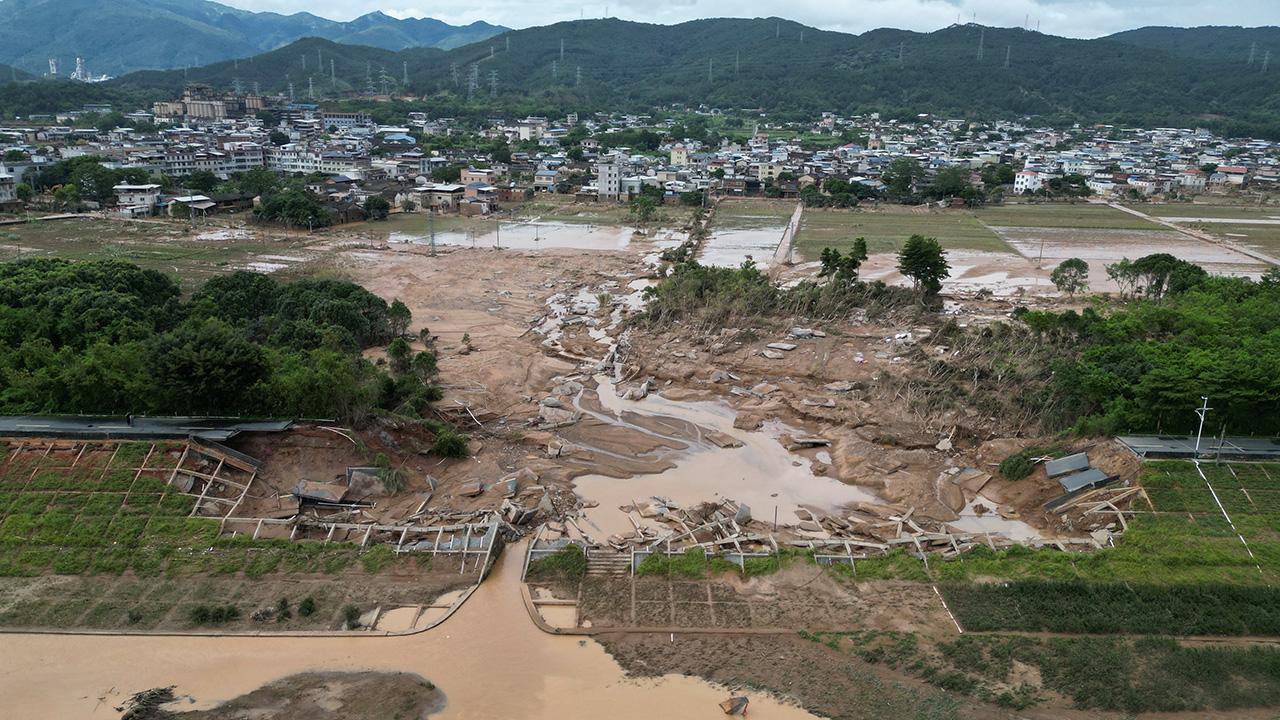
(524, 235)
(761, 474)
(559, 616)
(991, 522)
(489, 640)
(398, 619)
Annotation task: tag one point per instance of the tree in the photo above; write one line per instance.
(951, 182)
(644, 208)
(399, 316)
(1071, 276)
(14, 156)
(901, 177)
(923, 260)
(24, 191)
(400, 355)
(67, 197)
(843, 269)
(448, 173)
(204, 365)
(202, 181)
(377, 207)
(278, 137)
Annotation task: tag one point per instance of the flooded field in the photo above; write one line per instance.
(744, 230)
(1049, 246)
(519, 235)
(489, 643)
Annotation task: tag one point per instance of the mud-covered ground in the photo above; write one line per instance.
(322, 696)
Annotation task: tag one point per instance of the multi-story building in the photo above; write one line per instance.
(609, 176)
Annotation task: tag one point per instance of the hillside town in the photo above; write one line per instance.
(472, 168)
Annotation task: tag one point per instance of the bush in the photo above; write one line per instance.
(213, 614)
(567, 564)
(307, 607)
(350, 617)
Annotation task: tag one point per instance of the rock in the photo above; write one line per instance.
(547, 507)
(842, 386)
(552, 402)
(951, 495)
(810, 526)
(771, 355)
(743, 515)
(722, 440)
(719, 376)
(471, 489)
(764, 389)
(801, 443)
(747, 422)
(944, 445)
(801, 333)
(590, 504)
(785, 347)
(554, 526)
(820, 469)
(823, 403)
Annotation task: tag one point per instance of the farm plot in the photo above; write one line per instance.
(100, 535)
(886, 229)
(1064, 215)
(1180, 568)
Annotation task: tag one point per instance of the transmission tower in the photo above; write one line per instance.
(709, 67)
(982, 39)
(1253, 49)
(236, 87)
(737, 59)
(311, 88)
(255, 88)
(555, 68)
(404, 75)
(1266, 60)
(473, 81)
(304, 63)
(493, 83)
(561, 49)
(290, 91)
(1008, 51)
(901, 46)
(333, 76)
(453, 70)
(578, 81)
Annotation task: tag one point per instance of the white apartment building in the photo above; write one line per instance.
(609, 176)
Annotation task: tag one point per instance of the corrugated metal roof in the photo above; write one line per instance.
(1064, 465)
(1089, 478)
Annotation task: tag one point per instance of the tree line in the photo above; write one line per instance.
(111, 337)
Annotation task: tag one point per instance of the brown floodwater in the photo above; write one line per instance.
(488, 659)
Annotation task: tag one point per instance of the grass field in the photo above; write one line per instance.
(563, 208)
(1265, 238)
(1094, 673)
(83, 533)
(886, 229)
(166, 247)
(1062, 215)
(1207, 210)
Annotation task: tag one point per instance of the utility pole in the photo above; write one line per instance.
(431, 225)
(1201, 411)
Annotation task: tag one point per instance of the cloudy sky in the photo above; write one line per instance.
(1075, 18)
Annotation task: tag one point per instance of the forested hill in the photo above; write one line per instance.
(779, 66)
(118, 36)
(8, 73)
(1233, 45)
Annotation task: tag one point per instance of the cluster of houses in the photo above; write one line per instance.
(347, 157)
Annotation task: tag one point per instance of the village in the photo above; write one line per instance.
(823, 487)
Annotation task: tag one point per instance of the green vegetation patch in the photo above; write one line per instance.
(1063, 215)
(568, 564)
(887, 229)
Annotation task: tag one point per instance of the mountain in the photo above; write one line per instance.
(962, 71)
(123, 35)
(1228, 44)
(8, 73)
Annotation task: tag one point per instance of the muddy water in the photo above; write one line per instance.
(731, 247)
(489, 659)
(761, 474)
(523, 235)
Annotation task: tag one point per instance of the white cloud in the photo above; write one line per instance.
(1074, 18)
